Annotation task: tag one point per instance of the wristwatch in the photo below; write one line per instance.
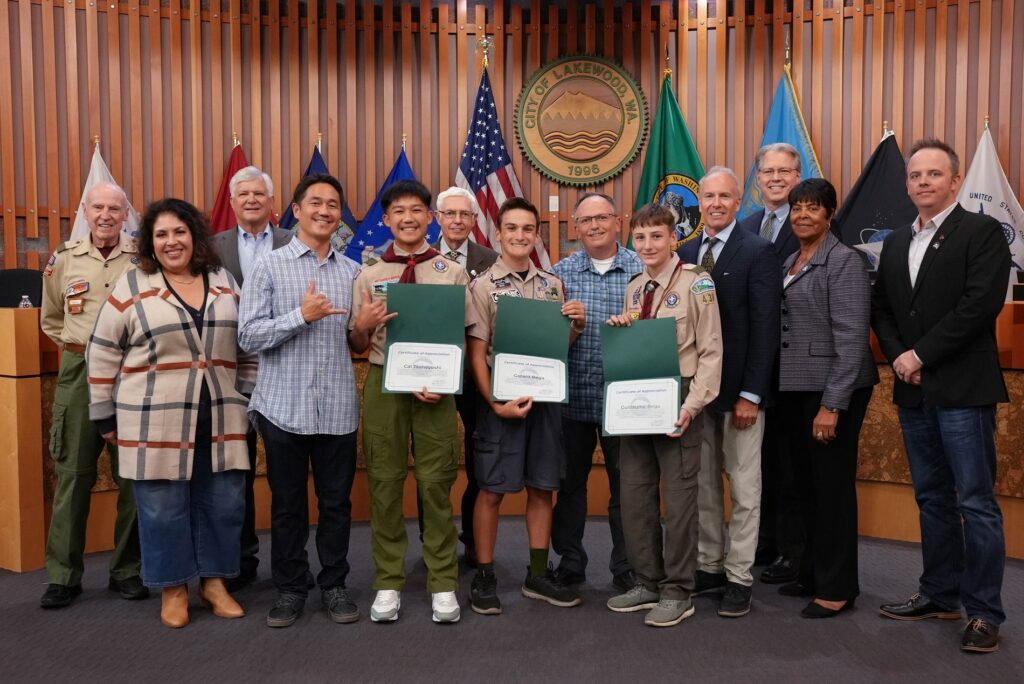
(579, 329)
(830, 409)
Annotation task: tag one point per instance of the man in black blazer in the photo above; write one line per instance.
(780, 539)
(252, 198)
(941, 284)
(457, 213)
(748, 283)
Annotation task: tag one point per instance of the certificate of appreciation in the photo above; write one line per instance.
(411, 366)
(515, 375)
(641, 407)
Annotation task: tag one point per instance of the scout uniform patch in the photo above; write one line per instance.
(672, 300)
(702, 285)
(441, 265)
(48, 271)
(379, 287)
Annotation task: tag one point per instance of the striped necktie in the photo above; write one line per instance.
(768, 227)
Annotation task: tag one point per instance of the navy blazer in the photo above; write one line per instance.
(949, 316)
(748, 285)
(785, 242)
(826, 326)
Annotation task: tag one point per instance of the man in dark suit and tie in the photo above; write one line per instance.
(780, 539)
(749, 286)
(941, 284)
(252, 198)
(457, 212)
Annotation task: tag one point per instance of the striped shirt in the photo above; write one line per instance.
(305, 385)
(602, 295)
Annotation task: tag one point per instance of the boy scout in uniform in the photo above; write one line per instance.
(389, 420)
(667, 288)
(517, 443)
(76, 281)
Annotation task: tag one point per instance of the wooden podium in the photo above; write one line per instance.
(24, 353)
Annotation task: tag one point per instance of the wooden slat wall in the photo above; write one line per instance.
(179, 80)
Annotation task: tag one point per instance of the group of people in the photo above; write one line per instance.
(181, 347)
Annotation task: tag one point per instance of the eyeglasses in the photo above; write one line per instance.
(451, 214)
(783, 172)
(584, 221)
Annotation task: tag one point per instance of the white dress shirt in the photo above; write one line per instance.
(921, 239)
(463, 250)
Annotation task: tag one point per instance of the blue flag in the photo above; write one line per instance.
(373, 237)
(348, 226)
(785, 124)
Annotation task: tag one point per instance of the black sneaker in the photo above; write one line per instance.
(286, 610)
(736, 601)
(548, 587)
(130, 588)
(709, 583)
(569, 577)
(339, 605)
(59, 595)
(483, 593)
(625, 580)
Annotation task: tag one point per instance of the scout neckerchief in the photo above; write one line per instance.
(652, 285)
(409, 274)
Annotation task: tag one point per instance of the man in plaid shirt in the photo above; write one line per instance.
(596, 275)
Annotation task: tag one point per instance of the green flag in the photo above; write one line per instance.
(672, 167)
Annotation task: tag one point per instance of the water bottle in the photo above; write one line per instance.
(25, 302)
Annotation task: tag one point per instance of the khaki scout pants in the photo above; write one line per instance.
(76, 446)
(388, 422)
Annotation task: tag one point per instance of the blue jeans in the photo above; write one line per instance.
(952, 459)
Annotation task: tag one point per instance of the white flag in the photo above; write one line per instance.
(986, 191)
(99, 173)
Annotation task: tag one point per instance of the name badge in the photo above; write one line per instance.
(76, 305)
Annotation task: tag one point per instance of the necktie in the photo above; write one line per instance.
(409, 274)
(645, 310)
(708, 261)
(453, 255)
(768, 227)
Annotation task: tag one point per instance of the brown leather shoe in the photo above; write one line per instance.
(215, 594)
(174, 606)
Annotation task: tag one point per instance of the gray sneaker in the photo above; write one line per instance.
(637, 598)
(669, 612)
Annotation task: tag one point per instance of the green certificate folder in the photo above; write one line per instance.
(426, 341)
(531, 350)
(641, 377)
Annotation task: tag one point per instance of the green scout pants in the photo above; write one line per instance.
(388, 422)
(76, 446)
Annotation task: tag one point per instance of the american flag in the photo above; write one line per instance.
(486, 171)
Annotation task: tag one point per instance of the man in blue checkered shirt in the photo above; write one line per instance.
(596, 275)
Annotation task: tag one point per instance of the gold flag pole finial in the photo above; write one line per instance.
(986, 122)
(404, 138)
(668, 69)
(234, 139)
(319, 139)
(485, 44)
(96, 140)
(885, 128)
(788, 61)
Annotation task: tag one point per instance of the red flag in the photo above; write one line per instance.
(223, 217)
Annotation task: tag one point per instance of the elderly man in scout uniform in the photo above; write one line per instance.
(518, 443)
(668, 288)
(77, 279)
(390, 420)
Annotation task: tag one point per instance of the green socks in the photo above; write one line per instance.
(538, 562)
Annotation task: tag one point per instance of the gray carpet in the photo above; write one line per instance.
(102, 638)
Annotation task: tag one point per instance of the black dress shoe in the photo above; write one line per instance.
(130, 588)
(816, 611)
(59, 595)
(918, 607)
(625, 580)
(781, 570)
(243, 580)
(796, 589)
(980, 637)
(765, 555)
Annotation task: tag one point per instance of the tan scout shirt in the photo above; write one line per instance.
(76, 282)
(686, 292)
(500, 281)
(375, 278)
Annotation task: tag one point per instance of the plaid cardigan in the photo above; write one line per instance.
(146, 364)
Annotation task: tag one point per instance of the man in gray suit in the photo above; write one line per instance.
(457, 213)
(252, 199)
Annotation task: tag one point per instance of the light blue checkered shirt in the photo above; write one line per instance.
(603, 295)
(305, 383)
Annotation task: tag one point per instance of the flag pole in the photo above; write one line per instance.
(319, 141)
(235, 142)
(484, 45)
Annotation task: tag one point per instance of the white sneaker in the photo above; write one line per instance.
(385, 606)
(445, 606)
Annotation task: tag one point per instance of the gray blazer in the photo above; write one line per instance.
(226, 245)
(826, 319)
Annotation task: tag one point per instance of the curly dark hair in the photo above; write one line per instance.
(204, 257)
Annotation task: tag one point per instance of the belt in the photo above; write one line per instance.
(76, 348)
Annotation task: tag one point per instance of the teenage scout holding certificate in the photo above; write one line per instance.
(641, 392)
(424, 349)
(530, 353)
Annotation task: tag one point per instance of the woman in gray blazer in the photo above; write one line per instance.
(826, 375)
